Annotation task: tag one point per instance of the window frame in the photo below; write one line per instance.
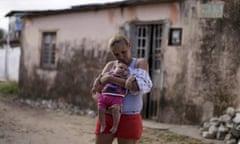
(175, 37)
(48, 55)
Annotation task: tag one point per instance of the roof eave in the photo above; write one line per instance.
(87, 7)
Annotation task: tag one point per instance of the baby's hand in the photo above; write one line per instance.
(129, 82)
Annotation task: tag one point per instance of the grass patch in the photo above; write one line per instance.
(9, 88)
(174, 137)
(156, 136)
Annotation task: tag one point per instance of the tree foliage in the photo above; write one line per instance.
(2, 33)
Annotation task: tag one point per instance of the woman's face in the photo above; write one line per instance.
(122, 52)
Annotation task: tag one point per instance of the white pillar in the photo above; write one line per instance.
(6, 55)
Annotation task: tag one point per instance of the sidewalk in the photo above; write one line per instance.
(186, 130)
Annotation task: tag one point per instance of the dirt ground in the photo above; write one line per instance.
(21, 124)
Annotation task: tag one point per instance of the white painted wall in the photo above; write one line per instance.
(13, 60)
(2, 63)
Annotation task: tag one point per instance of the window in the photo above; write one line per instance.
(48, 53)
(148, 43)
(142, 40)
(175, 37)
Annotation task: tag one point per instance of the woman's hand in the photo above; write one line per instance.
(129, 82)
(114, 107)
(97, 86)
(104, 78)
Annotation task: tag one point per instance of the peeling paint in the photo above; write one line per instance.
(111, 15)
(211, 76)
(174, 13)
(132, 11)
(73, 80)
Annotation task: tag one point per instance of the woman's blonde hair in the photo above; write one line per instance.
(116, 39)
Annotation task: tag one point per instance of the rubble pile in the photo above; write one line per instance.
(59, 106)
(226, 127)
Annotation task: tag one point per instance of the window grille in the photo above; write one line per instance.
(157, 40)
(142, 41)
(148, 43)
(48, 57)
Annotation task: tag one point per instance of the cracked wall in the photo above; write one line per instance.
(209, 61)
(76, 69)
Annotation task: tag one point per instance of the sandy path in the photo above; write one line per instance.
(21, 124)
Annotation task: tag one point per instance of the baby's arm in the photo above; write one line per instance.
(143, 80)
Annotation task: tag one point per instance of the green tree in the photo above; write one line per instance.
(2, 33)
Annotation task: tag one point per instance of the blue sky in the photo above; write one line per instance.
(9, 5)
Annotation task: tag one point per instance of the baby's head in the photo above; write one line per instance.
(121, 69)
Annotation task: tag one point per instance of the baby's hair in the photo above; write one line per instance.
(116, 39)
(117, 64)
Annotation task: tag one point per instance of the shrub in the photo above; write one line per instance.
(9, 88)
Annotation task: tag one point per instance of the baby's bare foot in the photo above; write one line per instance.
(102, 128)
(113, 130)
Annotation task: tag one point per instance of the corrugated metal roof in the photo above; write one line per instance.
(89, 7)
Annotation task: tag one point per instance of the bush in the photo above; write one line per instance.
(9, 88)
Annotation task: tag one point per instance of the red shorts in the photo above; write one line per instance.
(130, 126)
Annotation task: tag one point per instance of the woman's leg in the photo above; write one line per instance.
(129, 129)
(104, 138)
(127, 141)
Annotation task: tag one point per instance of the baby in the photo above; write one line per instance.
(112, 94)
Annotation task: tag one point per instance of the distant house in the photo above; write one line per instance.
(191, 46)
(9, 63)
(10, 52)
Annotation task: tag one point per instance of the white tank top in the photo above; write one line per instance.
(132, 104)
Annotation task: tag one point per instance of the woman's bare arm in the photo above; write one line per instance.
(97, 86)
(105, 78)
(115, 80)
(143, 64)
(131, 83)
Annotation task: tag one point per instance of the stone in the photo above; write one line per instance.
(230, 111)
(231, 141)
(225, 118)
(228, 136)
(235, 131)
(220, 135)
(208, 135)
(236, 118)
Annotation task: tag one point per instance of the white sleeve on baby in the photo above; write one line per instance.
(143, 80)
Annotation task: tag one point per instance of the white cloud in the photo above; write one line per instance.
(10, 5)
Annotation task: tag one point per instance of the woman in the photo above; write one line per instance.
(130, 126)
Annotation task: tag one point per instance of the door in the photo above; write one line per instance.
(147, 43)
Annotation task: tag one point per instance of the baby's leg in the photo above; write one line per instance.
(116, 117)
(101, 116)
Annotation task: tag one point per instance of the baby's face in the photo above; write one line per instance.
(121, 69)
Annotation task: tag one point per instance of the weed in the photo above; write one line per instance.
(156, 136)
(9, 88)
